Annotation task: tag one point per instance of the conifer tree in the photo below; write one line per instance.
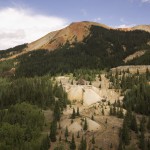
(134, 126)
(90, 83)
(142, 125)
(53, 130)
(114, 110)
(111, 111)
(147, 74)
(100, 86)
(85, 127)
(103, 111)
(57, 112)
(142, 141)
(93, 139)
(73, 114)
(125, 133)
(78, 113)
(72, 82)
(83, 144)
(92, 118)
(66, 133)
(72, 144)
(100, 79)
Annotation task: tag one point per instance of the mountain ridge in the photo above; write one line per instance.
(75, 32)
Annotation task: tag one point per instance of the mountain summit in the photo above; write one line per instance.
(75, 32)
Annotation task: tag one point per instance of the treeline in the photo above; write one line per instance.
(130, 124)
(102, 49)
(125, 80)
(138, 99)
(40, 91)
(135, 89)
(20, 128)
(12, 51)
(6, 65)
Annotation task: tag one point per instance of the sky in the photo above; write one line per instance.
(23, 21)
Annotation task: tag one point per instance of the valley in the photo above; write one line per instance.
(83, 87)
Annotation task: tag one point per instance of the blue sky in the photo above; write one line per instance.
(27, 20)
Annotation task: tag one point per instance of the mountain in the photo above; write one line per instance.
(142, 27)
(81, 45)
(75, 32)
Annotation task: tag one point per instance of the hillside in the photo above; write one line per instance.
(83, 87)
(75, 32)
(80, 45)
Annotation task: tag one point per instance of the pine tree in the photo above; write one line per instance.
(57, 112)
(147, 74)
(114, 110)
(100, 79)
(111, 111)
(93, 139)
(137, 72)
(142, 125)
(125, 133)
(72, 144)
(142, 141)
(92, 117)
(85, 127)
(120, 115)
(90, 83)
(100, 86)
(134, 126)
(73, 114)
(72, 82)
(78, 113)
(53, 130)
(102, 111)
(83, 144)
(66, 133)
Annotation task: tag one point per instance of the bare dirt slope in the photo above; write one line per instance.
(89, 94)
(135, 55)
(133, 69)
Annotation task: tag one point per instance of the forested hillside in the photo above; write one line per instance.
(36, 113)
(103, 48)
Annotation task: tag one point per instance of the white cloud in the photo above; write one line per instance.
(145, 1)
(97, 19)
(20, 26)
(125, 26)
